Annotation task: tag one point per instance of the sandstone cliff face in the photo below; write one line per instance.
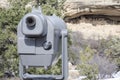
(76, 8)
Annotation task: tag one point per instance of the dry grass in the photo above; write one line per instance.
(95, 29)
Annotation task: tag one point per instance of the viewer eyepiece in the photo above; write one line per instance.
(30, 21)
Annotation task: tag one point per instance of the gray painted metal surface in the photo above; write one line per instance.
(41, 41)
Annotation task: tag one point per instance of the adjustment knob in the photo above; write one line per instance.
(47, 45)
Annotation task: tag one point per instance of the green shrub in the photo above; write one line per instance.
(85, 67)
(112, 49)
(96, 56)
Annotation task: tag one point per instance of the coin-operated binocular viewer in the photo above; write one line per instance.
(41, 41)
